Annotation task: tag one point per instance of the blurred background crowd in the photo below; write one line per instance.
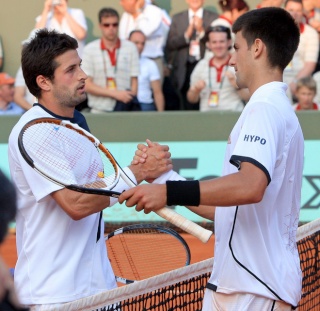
(144, 58)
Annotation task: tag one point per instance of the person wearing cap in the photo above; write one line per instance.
(7, 106)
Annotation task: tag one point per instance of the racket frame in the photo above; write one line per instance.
(166, 213)
(163, 229)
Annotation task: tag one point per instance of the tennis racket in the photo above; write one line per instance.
(140, 251)
(70, 156)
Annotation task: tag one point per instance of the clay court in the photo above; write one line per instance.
(199, 251)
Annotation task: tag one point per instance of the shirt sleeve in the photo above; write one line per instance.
(261, 139)
(79, 16)
(149, 20)
(198, 73)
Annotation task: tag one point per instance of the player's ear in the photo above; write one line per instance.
(257, 47)
(43, 83)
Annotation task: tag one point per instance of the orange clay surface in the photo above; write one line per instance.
(199, 251)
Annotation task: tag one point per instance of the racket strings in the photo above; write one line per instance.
(68, 156)
(140, 254)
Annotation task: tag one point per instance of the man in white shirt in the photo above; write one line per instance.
(213, 80)
(112, 65)
(256, 202)
(58, 16)
(150, 96)
(139, 15)
(62, 255)
(186, 45)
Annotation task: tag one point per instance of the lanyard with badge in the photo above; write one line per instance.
(215, 89)
(110, 81)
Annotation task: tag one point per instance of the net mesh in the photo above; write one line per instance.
(183, 289)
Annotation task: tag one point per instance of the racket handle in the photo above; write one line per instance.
(185, 224)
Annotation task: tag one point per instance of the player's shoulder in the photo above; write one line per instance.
(33, 113)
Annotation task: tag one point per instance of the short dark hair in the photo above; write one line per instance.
(107, 12)
(39, 54)
(8, 204)
(218, 28)
(276, 28)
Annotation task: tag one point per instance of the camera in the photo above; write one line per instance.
(56, 2)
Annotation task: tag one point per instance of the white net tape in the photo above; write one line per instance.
(99, 301)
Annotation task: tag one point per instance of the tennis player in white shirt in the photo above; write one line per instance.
(256, 202)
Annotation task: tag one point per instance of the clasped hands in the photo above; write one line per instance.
(150, 161)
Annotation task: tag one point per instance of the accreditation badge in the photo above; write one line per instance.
(213, 99)
(111, 83)
(194, 49)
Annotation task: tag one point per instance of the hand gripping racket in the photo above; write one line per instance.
(140, 251)
(70, 156)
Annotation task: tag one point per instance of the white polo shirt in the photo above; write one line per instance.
(64, 27)
(227, 96)
(265, 260)
(97, 64)
(59, 259)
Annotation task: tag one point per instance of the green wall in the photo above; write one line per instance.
(168, 126)
(197, 143)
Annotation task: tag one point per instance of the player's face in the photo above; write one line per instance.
(195, 5)
(241, 61)
(139, 40)
(68, 85)
(109, 27)
(305, 97)
(219, 44)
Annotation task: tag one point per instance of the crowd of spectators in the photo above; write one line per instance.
(171, 63)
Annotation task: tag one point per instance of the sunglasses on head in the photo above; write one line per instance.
(107, 25)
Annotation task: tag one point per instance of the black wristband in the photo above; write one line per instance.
(183, 192)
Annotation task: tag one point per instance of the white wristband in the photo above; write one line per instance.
(171, 175)
(122, 185)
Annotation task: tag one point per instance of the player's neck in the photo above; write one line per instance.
(260, 79)
(57, 108)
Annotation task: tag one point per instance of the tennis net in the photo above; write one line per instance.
(183, 289)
